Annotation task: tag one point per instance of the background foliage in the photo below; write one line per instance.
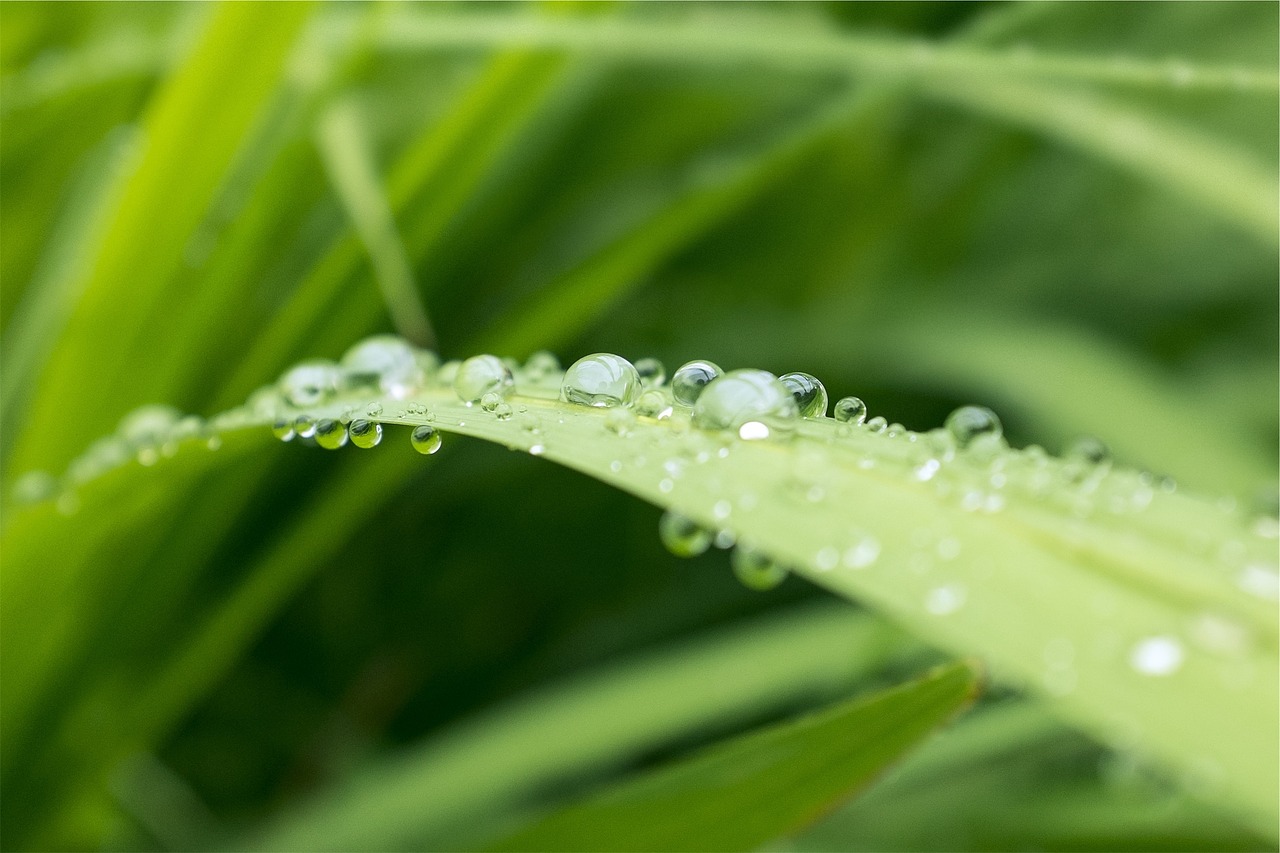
(1067, 212)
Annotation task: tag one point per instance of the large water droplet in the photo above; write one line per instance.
(365, 434)
(682, 536)
(689, 380)
(310, 382)
(425, 439)
(809, 393)
(480, 375)
(601, 379)
(330, 434)
(751, 403)
(969, 424)
(385, 362)
(755, 569)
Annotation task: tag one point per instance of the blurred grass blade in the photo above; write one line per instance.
(349, 163)
(758, 787)
(235, 64)
(449, 791)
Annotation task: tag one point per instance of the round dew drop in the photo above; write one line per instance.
(652, 403)
(755, 569)
(385, 362)
(652, 373)
(283, 430)
(425, 439)
(682, 536)
(601, 379)
(689, 380)
(480, 375)
(330, 434)
(877, 424)
(365, 434)
(148, 424)
(968, 424)
(1089, 450)
(304, 426)
(490, 401)
(1157, 656)
(809, 393)
(850, 410)
(310, 382)
(541, 365)
(752, 403)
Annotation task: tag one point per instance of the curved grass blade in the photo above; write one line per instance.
(760, 786)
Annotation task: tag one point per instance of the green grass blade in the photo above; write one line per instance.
(760, 786)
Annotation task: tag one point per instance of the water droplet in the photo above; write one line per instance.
(304, 426)
(310, 382)
(877, 424)
(330, 434)
(809, 393)
(541, 365)
(619, 421)
(653, 403)
(969, 424)
(490, 401)
(425, 439)
(385, 362)
(537, 450)
(480, 375)
(752, 403)
(651, 372)
(942, 600)
(850, 410)
(689, 380)
(283, 430)
(1157, 656)
(682, 536)
(1088, 450)
(365, 434)
(374, 409)
(502, 411)
(755, 569)
(147, 425)
(601, 379)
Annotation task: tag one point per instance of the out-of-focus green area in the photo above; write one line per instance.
(1064, 211)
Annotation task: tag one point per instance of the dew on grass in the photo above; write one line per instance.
(1157, 656)
(755, 569)
(691, 378)
(683, 536)
(385, 362)
(365, 434)
(601, 379)
(969, 424)
(808, 392)
(651, 372)
(850, 410)
(751, 403)
(481, 375)
(425, 439)
(330, 434)
(283, 429)
(310, 382)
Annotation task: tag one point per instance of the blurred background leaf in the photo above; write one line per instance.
(1065, 211)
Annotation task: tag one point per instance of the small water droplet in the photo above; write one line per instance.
(601, 379)
(481, 375)
(425, 439)
(861, 554)
(877, 424)
(304, 426)
(651, 372)
(330, 434)
(365, 434)
(385, 362)
(653, 403)
(620, 421)
(537, 450)
(283, 430)
(969, 424)
(310, 382)
(689, 380)
(1157, 656)
(502, 411)
(826, 559)
(683, 536)
(755, 569)
(722, 510)
(850, 410)
(808, 392)
(541, 365)
(490, 401)
(1088, 450)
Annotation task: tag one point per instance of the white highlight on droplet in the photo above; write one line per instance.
(1157, 656)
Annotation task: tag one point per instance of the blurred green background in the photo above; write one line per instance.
(1066, 212)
